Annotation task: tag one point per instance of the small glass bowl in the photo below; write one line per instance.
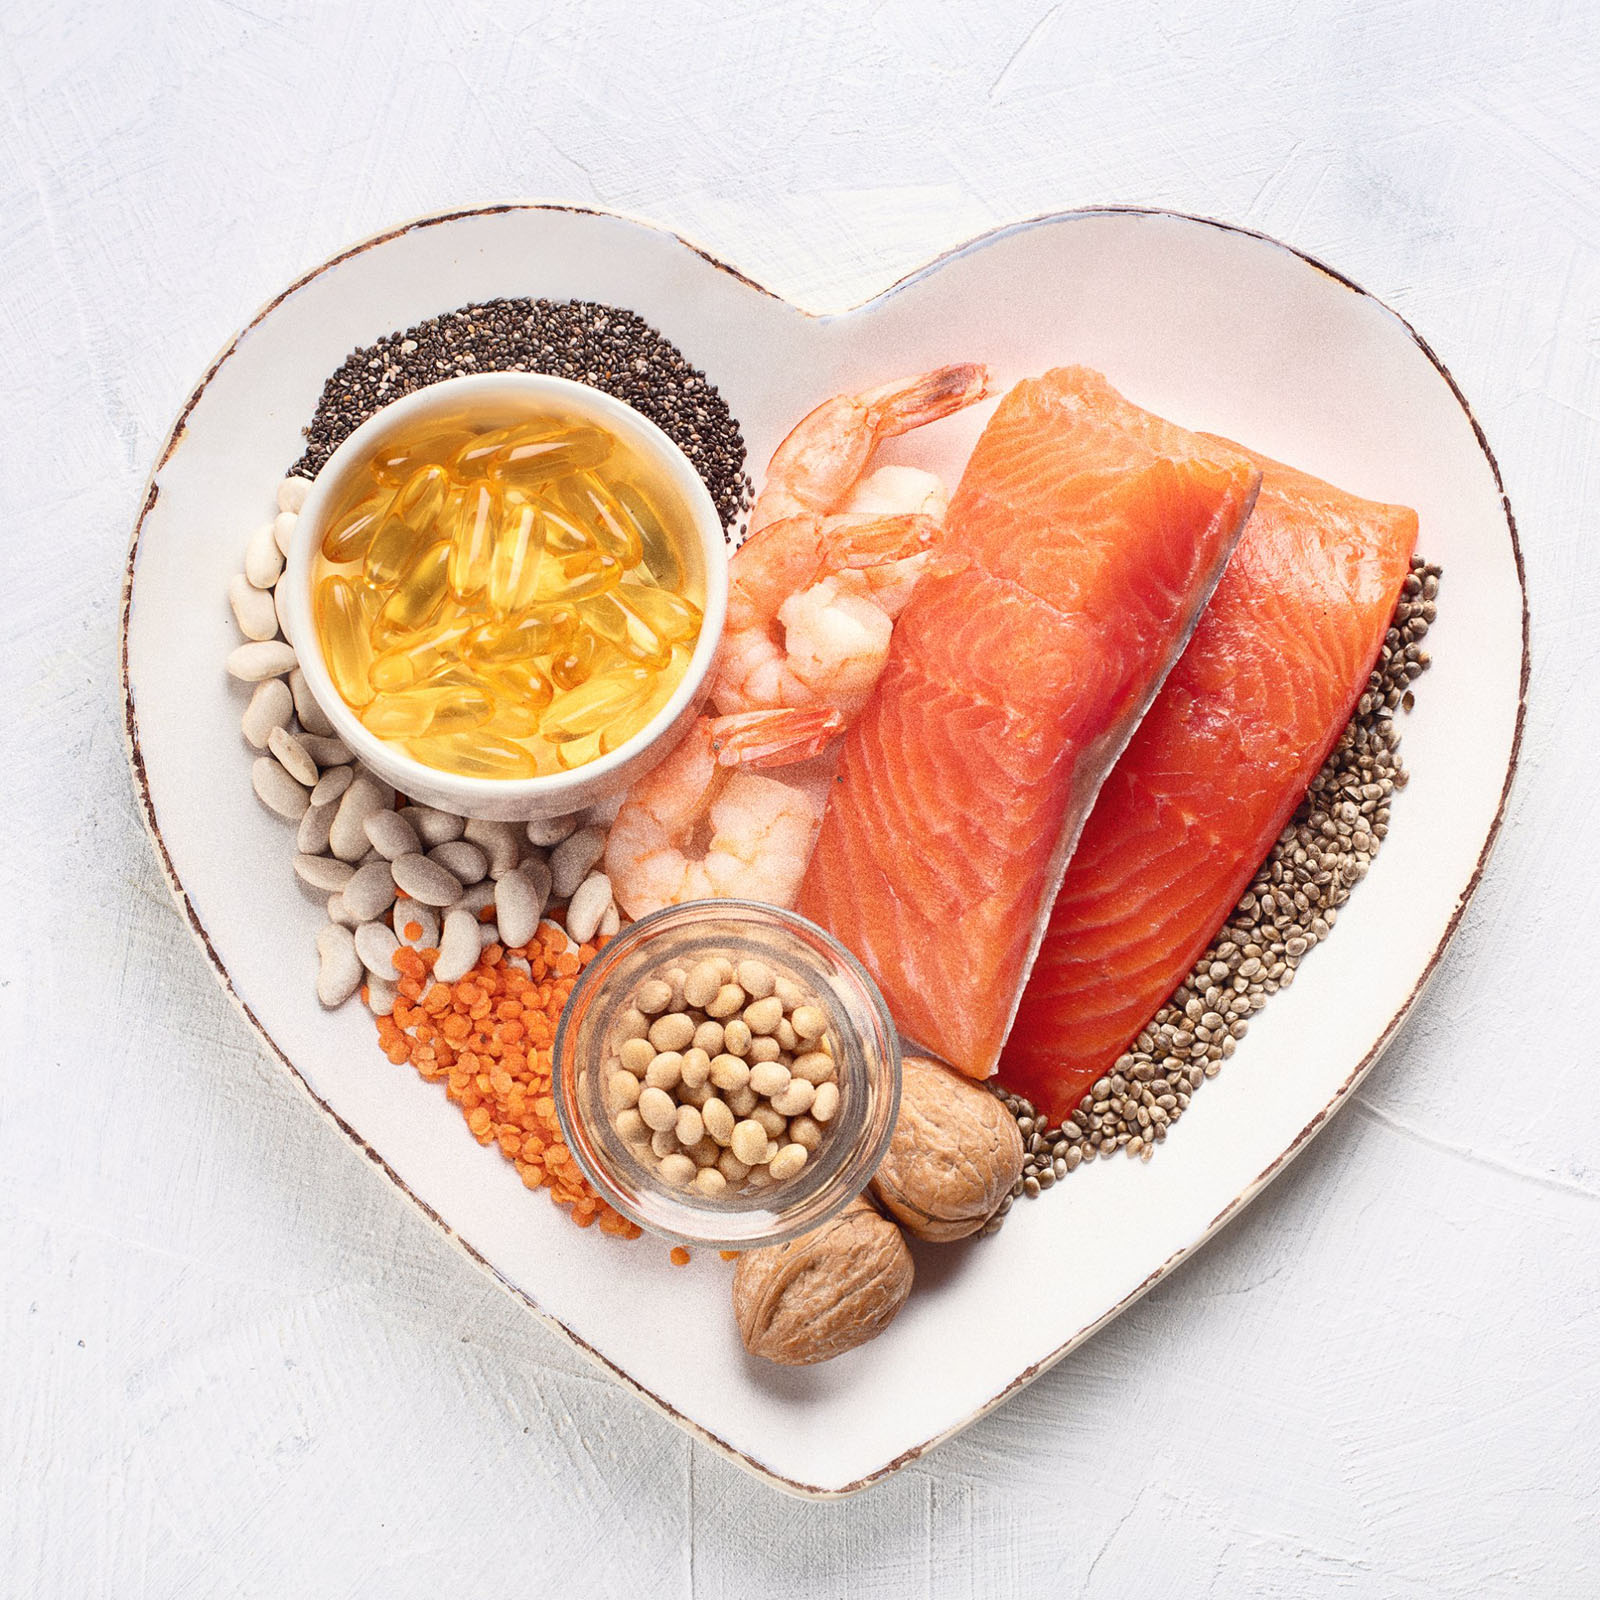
(865, 1046)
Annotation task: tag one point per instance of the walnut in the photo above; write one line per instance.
(955, 1154)
(824, 1293)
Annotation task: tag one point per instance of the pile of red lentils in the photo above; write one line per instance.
(489, 1039)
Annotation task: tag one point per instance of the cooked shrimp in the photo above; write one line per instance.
(817, 466)
(700, 827)
(833, 557)
(804, 627)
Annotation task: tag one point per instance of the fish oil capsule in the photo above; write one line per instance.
(419, 592)
(577, 577)
(349, 537)
(661, 557)
(608, 619)
(524, 681)
(518, 554)
(345, 610)
(589, 501)
(394, 547)
(472, 540)
(477, 754)
(547, 631)
(411, 659)
(575, 753)
(533, 456)
(420, 498)
(668, 615)
(428, 710)
(395, 463)
(626, 724)
(574, 664)
(591, 705)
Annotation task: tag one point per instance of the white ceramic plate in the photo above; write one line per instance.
(1214, 327)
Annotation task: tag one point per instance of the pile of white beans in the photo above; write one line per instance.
(389, 877)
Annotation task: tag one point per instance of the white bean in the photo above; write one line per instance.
(488, 934)
(331, 784)
(788, 1161)
(311, 839)
(292, 494)
(391, 835)
(370, 891)
(376, 945)
(277, 791)
(479, 895)
(425, 880)
(590, 902)
(826, 1102)
(433, 827)
(348, 836)
(283, 530)
(519, 900)
(501, 842)
(462, 860)
(340, 913)
(323, 872)
(459, 947)
(572, 860)
(265, 658)
(270, 707)
(263, 560)
(795, 1098)
(324, 750)
(546, 832)
(312, 717)
(381, 994)
(252, 608)
(280, 594)
(339, 967)
(611, 922)
(408, 914)
(749, 1142)
(292, 754)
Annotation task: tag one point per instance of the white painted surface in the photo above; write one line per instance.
(234, 1362)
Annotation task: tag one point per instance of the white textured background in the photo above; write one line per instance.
(234, 1361)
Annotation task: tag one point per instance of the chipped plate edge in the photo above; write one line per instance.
(130, 732)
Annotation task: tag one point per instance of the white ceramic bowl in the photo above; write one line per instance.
(511, 799)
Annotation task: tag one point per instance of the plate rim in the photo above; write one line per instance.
(971, 244)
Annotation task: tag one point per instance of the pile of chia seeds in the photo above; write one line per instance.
(603, 346)
(1290, 907)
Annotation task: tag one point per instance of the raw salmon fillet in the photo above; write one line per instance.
(1216, 769)
(1082, 543)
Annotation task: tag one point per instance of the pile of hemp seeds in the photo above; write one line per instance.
(1290, 907)
(607, 347)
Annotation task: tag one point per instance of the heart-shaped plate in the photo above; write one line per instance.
(1212, 326)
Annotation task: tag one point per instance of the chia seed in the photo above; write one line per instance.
(606, 347)
(1291, 906)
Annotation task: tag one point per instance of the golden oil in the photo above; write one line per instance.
(507, 596)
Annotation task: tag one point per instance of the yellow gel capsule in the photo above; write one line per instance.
(589, 501)
(525, 682)
(660, 553)
(472, 540)
(589, 707)
(578, 752)
(577, 577)
(537, 454)
(348, 538)
(394, 547)
(565, 534)
(669, 615)
(409, 660)
(395, 463)
(410, 713)
(345, 609)
(420, 499)
(574, 664)
(518, 555)
(478, 754)
(618, 626)
(547, 631)
(622, 728)
(419, 593)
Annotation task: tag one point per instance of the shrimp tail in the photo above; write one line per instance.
(773, 738)
(911, 403)
(855, 542)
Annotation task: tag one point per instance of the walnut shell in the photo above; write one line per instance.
(824, 1293)
(955, 1154)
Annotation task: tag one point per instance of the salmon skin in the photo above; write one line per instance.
(1216, 769)
(1081, 545)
